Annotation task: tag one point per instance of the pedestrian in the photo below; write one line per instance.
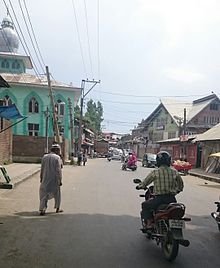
(84, 159)
(79, 158)
(51, 179)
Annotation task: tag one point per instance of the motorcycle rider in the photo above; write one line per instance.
(167, 183)
(131, 160)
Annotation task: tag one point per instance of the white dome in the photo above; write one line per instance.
(9, 41)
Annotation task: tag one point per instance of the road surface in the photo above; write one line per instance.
(100, 224)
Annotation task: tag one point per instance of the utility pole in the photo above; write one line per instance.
(184, 133)
(55, 123)
(83, 95)
(47, 115)
(71, 130)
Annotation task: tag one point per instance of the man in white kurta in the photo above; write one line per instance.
(51, 179)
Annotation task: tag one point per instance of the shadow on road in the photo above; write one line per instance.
(96, 240)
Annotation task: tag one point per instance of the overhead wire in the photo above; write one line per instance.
(32, 29)
(88, 39)
(25, 48)
(98, 38)
(79, 39)
(34, 45)
(149, 96)
(32, 42)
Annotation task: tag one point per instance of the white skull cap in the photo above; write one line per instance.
(55, 146)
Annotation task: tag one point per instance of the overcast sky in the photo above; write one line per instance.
(141, 50)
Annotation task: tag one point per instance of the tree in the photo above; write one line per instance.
(94, 115)
(77, 111)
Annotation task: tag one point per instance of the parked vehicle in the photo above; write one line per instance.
(216, 214)
(149, 160)
(101, 147)
(168, 225)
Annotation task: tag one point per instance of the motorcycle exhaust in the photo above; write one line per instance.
(184, 242)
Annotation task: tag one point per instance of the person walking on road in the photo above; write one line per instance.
(51, 179)
(84, 159)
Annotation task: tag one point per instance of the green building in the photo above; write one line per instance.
(30, 92)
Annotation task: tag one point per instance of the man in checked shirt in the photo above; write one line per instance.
(167, 183)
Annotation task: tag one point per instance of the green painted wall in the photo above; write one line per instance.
(21, 95)
(12, 65)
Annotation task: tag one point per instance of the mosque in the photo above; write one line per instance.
(30, 94)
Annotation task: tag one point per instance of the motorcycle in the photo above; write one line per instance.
(168, 225)
(216, 214)
(125, 166)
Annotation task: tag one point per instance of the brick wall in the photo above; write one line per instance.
(31, 149)
(5, 143)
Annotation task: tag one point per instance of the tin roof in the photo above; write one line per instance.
(210, 135)
(26, 79)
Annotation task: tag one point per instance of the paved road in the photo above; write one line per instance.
(100, 223)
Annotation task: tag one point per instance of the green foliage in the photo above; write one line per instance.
(94, 115)
(77, 111)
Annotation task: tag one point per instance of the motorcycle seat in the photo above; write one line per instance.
(170, 211)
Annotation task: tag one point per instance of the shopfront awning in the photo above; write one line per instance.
(10, 112)
(215, 154)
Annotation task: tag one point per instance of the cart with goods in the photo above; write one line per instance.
(182, 166)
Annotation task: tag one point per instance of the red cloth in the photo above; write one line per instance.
(132, 160)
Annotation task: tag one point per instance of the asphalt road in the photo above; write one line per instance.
(100, 223)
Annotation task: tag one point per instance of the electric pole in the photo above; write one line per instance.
(47, 115)
(71, 130)
(55, 123)
(83, 95)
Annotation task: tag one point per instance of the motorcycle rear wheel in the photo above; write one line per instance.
(170, 247)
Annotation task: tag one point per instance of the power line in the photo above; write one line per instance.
(98, 37)
(25, 21)
(36, 71)
(33, 33)
(80, 43)
(88, 39)
(149, 96)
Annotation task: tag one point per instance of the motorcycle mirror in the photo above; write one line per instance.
(136, 180)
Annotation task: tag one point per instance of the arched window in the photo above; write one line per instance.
(33, 106)
(15, 65)
(5, 64)
(7, 100)
(60, 108)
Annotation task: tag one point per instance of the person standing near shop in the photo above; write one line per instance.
(51, 179)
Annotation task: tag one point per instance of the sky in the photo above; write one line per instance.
(140, 50)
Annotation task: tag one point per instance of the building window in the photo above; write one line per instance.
(33, 129)
(60, 108)
(7, 101)
(33, 106)
(16, 65)
(5, 64)
(214, 106)
(171, 135)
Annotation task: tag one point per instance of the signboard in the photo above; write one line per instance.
(184, 137)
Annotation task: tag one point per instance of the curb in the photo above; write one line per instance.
(205, 177)
(25, 176)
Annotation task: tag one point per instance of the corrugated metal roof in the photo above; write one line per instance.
(176, 108)
(26, 79)
(210, 135)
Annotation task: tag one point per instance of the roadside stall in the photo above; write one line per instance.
(213, 163)
(182, 166)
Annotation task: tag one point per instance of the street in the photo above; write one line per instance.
(100, 223)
